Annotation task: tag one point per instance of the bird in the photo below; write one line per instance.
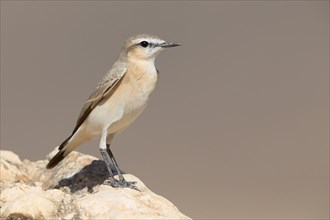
(117, 100)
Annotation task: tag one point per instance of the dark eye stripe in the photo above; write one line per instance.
(146, 44)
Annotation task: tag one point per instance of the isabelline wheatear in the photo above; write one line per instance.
(118, 99)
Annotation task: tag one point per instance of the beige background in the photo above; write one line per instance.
(238, 126)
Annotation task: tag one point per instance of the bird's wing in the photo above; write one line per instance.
(103, 89)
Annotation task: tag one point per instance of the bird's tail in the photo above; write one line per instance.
(64, 150)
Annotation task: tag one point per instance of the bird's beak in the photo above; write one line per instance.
(169, 44)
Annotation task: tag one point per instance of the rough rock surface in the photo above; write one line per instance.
(73, 190)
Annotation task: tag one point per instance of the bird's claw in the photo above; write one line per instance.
(120, 183)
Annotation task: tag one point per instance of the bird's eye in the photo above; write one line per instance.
(144, 44)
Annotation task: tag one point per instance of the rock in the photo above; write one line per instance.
(10, 157)
(29, 205)
(10, 165)
(74, 190)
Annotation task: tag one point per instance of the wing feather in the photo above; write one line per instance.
(103, 89)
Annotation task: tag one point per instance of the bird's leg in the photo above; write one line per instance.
(122, 181)
(114, 162)
(103, 149)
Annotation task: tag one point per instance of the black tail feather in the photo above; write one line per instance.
(60, 155)
(55, 160)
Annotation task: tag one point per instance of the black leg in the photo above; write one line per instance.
(111, 180)
(114, 162)
(122, 181)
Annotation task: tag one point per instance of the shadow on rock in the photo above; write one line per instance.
(91, 175)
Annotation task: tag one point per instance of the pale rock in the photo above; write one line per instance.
(10, 168)
(10, 157)
(16, 191)
(30, 205)
(8, 172)
(74, 190)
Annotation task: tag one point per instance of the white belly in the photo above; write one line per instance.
(122, 108)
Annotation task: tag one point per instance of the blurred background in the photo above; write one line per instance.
(238, 126)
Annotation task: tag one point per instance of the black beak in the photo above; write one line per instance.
(169, 44)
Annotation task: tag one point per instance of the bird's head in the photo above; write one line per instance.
(145, 47)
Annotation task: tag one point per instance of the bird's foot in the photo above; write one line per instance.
(120, 183)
